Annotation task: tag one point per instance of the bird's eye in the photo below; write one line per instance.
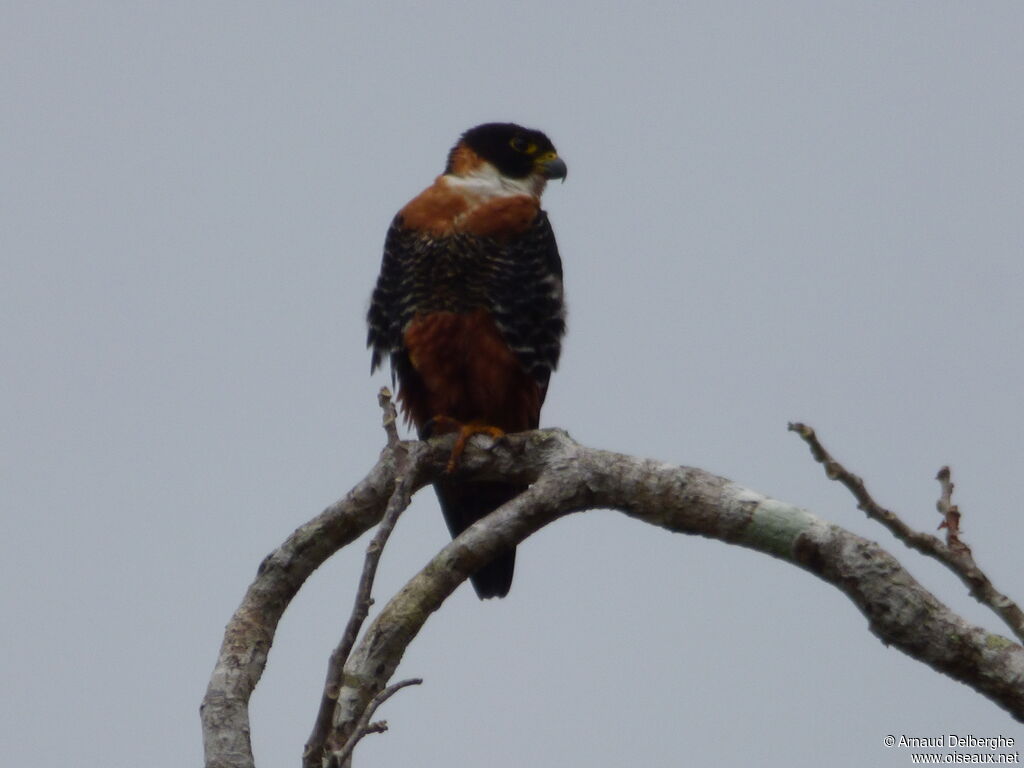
(519, 144)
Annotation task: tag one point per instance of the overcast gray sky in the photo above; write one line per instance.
(774, 211)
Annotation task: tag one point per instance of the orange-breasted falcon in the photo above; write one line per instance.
(468, 307)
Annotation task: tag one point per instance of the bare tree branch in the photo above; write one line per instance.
(950, 512)
(566, 477)
(364, 726)
(390, 418)
(397, 503)
(250, 632)
(955, 554)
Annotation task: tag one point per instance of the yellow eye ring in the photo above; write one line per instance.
(519, 144)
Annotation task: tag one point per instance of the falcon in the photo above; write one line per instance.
(468, 309)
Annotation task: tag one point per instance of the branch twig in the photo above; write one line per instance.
(405, 469)
(364, 726)
(950, 513)
(922, 542)
(390, 417)
(955, 554)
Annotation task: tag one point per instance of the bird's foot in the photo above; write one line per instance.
(442, 424)
(467, 431)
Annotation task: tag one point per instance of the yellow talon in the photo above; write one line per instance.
(466, 431)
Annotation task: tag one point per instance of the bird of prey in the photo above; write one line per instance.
(468, 308)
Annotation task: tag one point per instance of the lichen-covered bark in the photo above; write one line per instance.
(567, 477)
(250, 632)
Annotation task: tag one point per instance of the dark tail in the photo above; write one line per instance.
(465, 503)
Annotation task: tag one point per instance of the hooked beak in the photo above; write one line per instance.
(551, 166)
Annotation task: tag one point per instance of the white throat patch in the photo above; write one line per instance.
(486, 182)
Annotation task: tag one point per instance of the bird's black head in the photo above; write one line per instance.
(515, 151)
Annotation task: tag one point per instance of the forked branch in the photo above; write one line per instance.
(954, 553)
(401, 495)
(566, 477)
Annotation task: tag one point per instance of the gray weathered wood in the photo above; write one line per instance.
(567, 477)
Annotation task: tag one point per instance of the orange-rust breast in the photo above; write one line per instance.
(465, 371)
(435, 209)
(501, 217)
